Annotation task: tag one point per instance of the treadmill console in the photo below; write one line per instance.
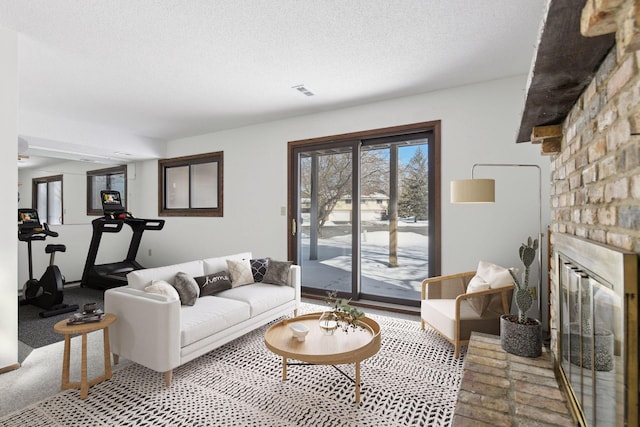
(112, 205)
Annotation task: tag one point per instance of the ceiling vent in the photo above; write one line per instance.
(303, 90)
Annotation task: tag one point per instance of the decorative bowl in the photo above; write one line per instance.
(299, 330)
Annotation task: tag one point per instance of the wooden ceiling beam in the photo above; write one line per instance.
(541, 133)
(564, 65)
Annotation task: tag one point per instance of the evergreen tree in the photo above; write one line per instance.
(414, 194)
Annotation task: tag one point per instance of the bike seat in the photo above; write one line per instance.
(55, 248)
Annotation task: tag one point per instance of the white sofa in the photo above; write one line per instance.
(158, 332)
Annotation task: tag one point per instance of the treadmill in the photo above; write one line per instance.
(111, 275)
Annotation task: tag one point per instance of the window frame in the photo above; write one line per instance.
(104, 172)
(34, 195)
(163, 164)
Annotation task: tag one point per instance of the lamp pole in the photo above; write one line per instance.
(520, 165)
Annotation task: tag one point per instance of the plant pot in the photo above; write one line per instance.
(521, 339)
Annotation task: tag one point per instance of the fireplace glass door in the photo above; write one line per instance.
(592, 340)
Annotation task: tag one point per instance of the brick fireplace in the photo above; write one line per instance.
(595, 172)
(583, 108)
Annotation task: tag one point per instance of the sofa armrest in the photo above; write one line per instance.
(147, 329)
(446, 287)
(295, 274)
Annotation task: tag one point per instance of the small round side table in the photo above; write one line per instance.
(62, 328)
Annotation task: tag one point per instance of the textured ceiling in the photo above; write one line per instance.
(172, 68)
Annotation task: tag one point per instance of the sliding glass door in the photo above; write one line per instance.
(325, 235)
(394, 207)
(363, 212)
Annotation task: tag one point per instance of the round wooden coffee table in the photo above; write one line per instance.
(62, 328)
(320, 349)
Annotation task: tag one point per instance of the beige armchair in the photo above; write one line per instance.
(449, 309)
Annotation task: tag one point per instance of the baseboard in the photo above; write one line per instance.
(9, 368)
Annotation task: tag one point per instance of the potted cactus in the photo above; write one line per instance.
(519, 334)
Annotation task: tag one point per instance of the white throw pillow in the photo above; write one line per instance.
(478, 304)
(163, 288)
(240, 272)
(494, 275)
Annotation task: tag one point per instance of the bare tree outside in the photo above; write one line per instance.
(335, 179)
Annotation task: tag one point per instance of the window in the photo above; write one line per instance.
(191, 185)
(105, 179)
(47, 198)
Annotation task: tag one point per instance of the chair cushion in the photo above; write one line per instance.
(440, 314)
(478, 304)
(210, 314)
(261, 297)
(495, 275)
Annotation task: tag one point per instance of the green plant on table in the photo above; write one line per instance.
(524, 299)
(348, 316)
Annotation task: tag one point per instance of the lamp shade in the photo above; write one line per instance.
(473, 191)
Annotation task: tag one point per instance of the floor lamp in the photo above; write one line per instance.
(476, 190)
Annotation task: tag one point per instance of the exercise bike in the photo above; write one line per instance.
(46, 293)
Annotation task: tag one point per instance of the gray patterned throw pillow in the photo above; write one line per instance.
(259, 268)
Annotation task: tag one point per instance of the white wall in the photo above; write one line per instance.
(8, 253)
(479, 125)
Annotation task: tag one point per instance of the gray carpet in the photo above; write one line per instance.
(413, 380)
(35, 331)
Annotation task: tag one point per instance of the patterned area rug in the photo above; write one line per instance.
(413, 380)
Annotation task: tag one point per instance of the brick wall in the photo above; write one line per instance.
(595, 179)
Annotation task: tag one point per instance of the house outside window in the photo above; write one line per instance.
(47, 199)
(191, 185)
(105, 179)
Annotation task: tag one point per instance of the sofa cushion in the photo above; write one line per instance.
(162, 287)
(240, 272)
(187, 288)
(211, 284)
(213, 265)
(259, 268)
(260, 296)
(208, 316)
(277, 272)
(140, 279)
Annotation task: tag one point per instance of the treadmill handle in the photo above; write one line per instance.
(153, 224)
(110, 226)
